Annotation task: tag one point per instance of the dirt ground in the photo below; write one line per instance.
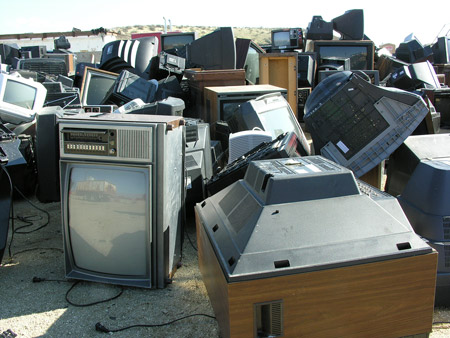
(31, 309)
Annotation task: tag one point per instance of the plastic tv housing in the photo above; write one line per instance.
(272, 113)
(291, 38)
(358, 124)
(122, 192)
(176, 40)
(20, 98)
(441, 50)
(95, 85)
(360, 52)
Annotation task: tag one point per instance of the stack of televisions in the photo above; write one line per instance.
(168, 125)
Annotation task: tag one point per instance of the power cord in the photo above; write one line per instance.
(101, 328)
(39, 279)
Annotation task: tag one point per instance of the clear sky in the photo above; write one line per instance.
(384, 21)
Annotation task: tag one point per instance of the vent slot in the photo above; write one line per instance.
(134, 144)
(282, 264)
(403, 246)
(268, 319)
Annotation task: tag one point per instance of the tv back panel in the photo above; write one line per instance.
(319, 29)
(121, 169)
(441, 50)
(214, 51)
(415, 76)
(350, 25)
(357, 124)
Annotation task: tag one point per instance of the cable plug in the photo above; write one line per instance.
(99, 327)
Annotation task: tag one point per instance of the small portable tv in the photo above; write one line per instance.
(20, 98)
(291, 38)
(171, 41)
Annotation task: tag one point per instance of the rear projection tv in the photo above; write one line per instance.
(122, 192)
(20, 98)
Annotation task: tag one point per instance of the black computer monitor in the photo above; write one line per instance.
(350, 24)
(360, 52)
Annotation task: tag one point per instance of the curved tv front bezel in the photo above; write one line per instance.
(71, 269)
(14, 114)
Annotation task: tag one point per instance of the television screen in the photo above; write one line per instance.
(104, 197)
(96, 84)
(20, 98)
(360, 53)
(280, 38)
(176, 40)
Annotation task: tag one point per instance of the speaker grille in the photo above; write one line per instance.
(446, 227)
(134, 144)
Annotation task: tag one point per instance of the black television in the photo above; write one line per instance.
(176, 40)
(289, 38)
(247, 58)
(95, 85)
(441, 50)
(360, 52)
(216, 50)
(350, 24)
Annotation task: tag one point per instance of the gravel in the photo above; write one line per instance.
(40, 309)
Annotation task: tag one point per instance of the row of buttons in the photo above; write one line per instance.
(85, 147)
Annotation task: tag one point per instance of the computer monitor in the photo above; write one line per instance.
(20, 98)
(95, 85)
(415, 76)
(216, 50)
(360, 52)
(176, 40)
(290, 38)
(272, 113)
(441, 50)
(412, 51)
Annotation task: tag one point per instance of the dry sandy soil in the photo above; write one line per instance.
(41, 309)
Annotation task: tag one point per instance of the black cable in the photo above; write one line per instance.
(93, 303)
(437, 323)
(11, 208)
(24, 218)
(190, 241)
(99, 327)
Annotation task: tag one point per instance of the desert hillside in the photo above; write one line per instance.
(260, 35)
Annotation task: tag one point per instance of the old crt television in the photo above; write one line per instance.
(133, 55)
(291, 38)
(272, 113)
(441, 50)
(216, 50)
(247, 58)
(176, 40)
(360, 52)
(20, 98)
(357, 124)
(95, 85)
(122, 192)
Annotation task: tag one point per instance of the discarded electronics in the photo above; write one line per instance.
(357, 124)
(300, 238)
(121, 169)
(419, 173)
(284, 146)
(20, 98)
